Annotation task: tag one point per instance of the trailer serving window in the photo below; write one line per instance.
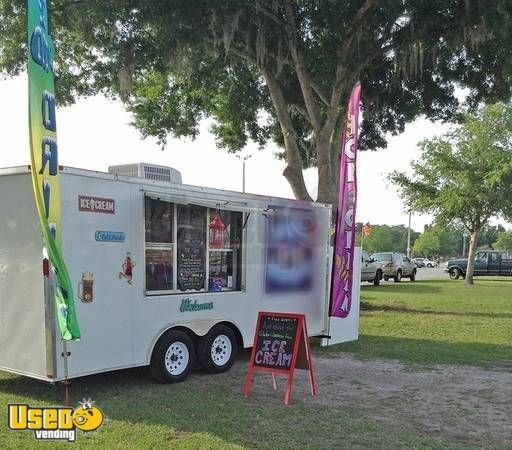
(224, 254)
(159, 244)
(191, 248)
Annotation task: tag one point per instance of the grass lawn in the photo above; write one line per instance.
(437, 322)
(200, 414)
(425, 322)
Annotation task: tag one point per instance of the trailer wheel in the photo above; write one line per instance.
(173, 357)
(217, 350)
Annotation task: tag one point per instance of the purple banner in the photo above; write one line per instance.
(343, 261)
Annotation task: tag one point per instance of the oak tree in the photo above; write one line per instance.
(275, 70)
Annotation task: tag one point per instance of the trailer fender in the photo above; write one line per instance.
(195, 329)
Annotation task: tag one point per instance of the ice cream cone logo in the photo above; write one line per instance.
(85, 287)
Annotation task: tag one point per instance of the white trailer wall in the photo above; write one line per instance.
(22, 308)
(106, 323)
(120, 326)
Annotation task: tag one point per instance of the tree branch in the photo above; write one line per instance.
(300, 68)
(321, 95)
(243, 54)
(293, 172)
(269, 14)
(354, 24)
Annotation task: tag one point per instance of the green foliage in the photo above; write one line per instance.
(440, 241)
(465, 175)
(489, 235)
(391, 238)
(504, 241)
(428, 244)
(175, 62)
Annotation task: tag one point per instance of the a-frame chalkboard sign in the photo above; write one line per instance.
(280, 346)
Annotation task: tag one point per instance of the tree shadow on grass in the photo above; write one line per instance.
(492, 279)
(211, 404)
(428, 352)
(207, 404)
(422, 287)
(367, 306)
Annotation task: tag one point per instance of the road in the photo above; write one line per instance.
(427, 273)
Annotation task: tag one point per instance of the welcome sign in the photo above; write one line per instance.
(44, 158)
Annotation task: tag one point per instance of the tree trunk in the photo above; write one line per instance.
(328, 162)
(324, 165)
(471, 256)
(293, 172)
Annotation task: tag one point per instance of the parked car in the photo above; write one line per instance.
(424, 262)
(396, 266)
(371, 270)
(430, 263)
(418, 262)
(488, 262)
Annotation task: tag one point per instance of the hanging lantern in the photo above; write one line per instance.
(217, 229)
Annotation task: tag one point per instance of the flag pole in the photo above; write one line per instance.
(362, 235)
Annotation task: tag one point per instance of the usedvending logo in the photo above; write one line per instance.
(56, 423)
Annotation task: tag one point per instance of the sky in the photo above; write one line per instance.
(96, 132)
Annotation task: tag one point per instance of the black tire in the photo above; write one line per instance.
(217, 350)
(169, 361)
(430, 265)
(378, 277)
(386, 278)
(398, 277)
(413, 276)
(455, 273)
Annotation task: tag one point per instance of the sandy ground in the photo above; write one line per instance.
(457, 402)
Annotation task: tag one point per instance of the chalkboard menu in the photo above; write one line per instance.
(191, 240)
(280, 346)
(275, 341)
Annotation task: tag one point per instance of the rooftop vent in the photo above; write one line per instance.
(147, 171)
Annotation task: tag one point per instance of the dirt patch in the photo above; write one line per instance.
(461, 402)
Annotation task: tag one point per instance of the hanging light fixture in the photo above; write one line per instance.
(217, 229)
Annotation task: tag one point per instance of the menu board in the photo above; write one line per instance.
(191, 240)
(275, 341)
(280, 346)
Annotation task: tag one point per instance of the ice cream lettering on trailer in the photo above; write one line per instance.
(163, 273)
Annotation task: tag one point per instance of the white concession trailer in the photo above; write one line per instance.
(164, 274)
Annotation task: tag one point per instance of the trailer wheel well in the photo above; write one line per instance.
(235, 330)
(195, 337)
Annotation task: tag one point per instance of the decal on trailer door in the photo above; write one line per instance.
(44, 161)
(88, 203)
(127, 268)
(85, 287)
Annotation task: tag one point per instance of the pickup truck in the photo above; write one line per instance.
(487, 262)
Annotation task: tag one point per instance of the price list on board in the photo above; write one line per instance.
(191, 236)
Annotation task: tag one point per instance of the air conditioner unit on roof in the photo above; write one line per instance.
(148, 172)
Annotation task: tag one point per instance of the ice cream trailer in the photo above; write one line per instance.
(164, 274)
